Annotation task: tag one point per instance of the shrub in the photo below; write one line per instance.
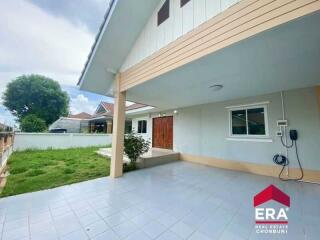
(127, 167)
(134, 147)
(32, 123)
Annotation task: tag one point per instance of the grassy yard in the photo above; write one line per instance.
(35, 170)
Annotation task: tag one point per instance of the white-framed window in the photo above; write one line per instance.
(142, 126)
(248, 121)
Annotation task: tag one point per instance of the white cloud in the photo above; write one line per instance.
(32, 41)
(82, 104)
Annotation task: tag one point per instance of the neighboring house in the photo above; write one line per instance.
(77, 123)
(102, 119)
(220, 74)
(5, 128)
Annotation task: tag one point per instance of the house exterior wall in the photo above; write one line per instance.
(181, 20)
(72, 125)
(204, 130)
(148, 135)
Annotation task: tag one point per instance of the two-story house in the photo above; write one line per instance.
(229, 79)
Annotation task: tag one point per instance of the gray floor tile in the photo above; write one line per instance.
(15, 234)
(182, 230)
(89, 218)
(47, 233)
(107, 235)
(153, 229)
(96, 228)
(196, 202)
(77, 235)
(141, 220)
(106, 212)
(167, 219)
(169, 235)
(115, 219)
(125, 229)
(198, 236)
(138, 235)
(14, 224)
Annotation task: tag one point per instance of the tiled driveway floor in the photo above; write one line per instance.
(173, 201)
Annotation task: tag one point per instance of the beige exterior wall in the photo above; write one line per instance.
(181, 20)
(202, 134)
(241, 21)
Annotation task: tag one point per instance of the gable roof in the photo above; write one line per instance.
(135, 106)
(109, 108)
(271, 193)
(122, 24)
(82, 115)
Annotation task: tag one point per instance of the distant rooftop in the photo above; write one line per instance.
(109, 108)
(82, 115)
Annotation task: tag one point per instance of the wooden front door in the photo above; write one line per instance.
(162, 133)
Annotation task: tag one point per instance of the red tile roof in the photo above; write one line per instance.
(135, 106)
(82, 115)
(109, 108)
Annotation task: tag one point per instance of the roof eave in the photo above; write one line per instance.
(95, 45)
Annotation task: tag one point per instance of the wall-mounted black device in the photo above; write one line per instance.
(283, 160)
(293, 135)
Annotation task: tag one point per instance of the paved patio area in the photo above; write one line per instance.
(173, 201)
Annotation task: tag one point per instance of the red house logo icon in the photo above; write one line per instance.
(270, 215)
(271, 193)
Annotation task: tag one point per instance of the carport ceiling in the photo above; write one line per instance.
(283, 58)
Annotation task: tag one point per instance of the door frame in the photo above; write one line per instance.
(171, 116)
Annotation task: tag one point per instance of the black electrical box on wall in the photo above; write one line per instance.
(293, 135)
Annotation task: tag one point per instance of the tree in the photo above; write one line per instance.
(32, 123)
(37, 95)
(134, 147)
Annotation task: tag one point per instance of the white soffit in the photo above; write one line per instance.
(121, 29)
(283, 58)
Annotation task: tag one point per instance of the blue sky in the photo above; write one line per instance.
(52, 38)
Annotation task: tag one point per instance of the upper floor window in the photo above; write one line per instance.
(142, 126)
(248, 121)
(163, 13)
(183, 2)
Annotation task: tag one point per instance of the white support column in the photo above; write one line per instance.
(118, 131)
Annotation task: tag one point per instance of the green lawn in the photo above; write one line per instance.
(35, 170)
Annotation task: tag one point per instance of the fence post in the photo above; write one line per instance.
(8, 141)
(1, 151)
(1, 144)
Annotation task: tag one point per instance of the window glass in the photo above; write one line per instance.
(183, 2)
(248, 121)
(256, 123)
(128, 127)
(239, 122)
(163, 13)
(142, 126)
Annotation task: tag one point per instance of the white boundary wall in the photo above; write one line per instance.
(23, 141)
